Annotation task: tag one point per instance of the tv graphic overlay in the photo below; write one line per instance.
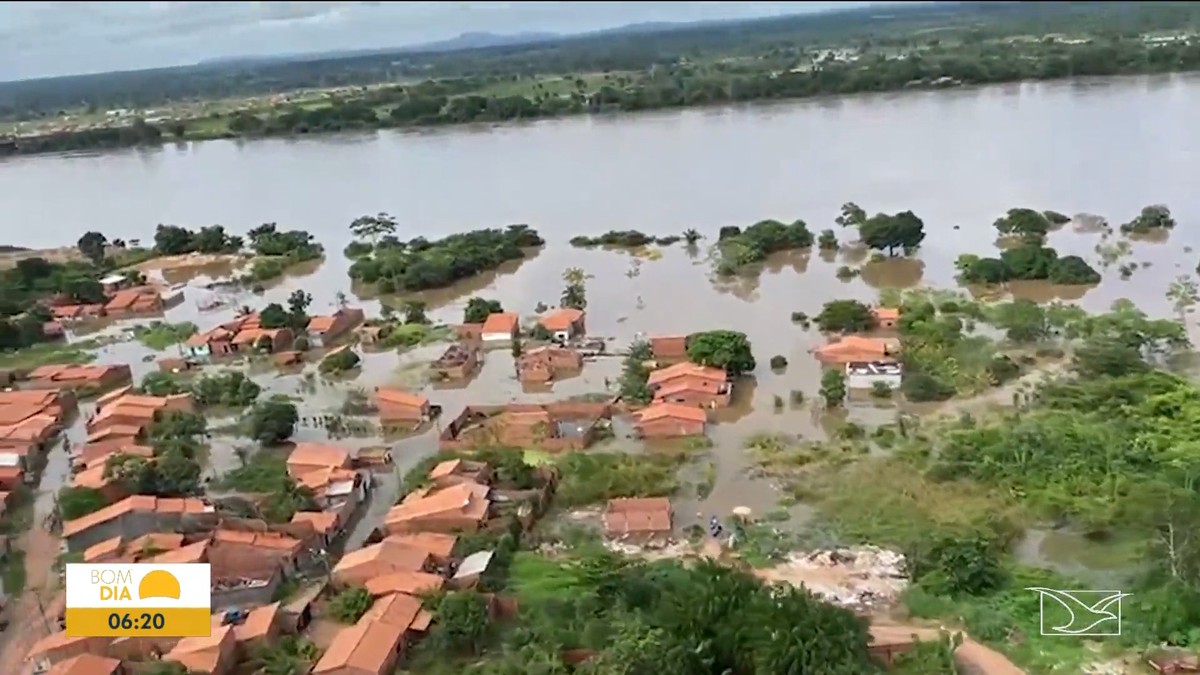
(1079, 613)
(139, 600)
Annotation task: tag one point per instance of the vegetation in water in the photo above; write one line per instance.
(159, 335)
(396, 266)
(725, 349)
(845, 316)
(272, 421)
(1152, 218)
(737, 249)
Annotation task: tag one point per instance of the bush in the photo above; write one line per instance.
(272, 422)
(845, 316)
(349, 605)
(778, 362)
(799, 317)
(421, 264)
(339, 362)
(827, 241)
(726, 349)
(922, 388)
(881, 390)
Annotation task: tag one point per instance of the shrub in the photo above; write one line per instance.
(778, 362)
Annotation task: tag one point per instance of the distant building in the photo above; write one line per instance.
(867, 374)
(564, 323)
(670, 420)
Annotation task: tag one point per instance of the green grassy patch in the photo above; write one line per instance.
(47, 354)
(160, 334)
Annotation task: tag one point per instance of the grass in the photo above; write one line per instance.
(159, 335)
(47, 353)
(592, 478)
(13, 573)
(409, 335)
(535, 578)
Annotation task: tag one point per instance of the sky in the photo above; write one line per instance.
(45, 39)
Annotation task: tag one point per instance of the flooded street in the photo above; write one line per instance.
(957, 159)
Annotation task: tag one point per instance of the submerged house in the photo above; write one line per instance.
(691, 384)
(550, 426)
(456, 363)
(324, 330)
(564, 323)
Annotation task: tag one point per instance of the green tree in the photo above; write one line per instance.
(349, 605)
(478, 309)
(885, 232)
(1025, 223)
(414, 312)
(77, 502)
(1023, 320)
(575, 293)
(373, 227)
(158, 383)
(289, 655)
(956, 565)
(272, 422)
(463, 623)
(230, 389)
(691, 236)
(852, 215)
(828, 241)
(298, 304)
(725, 349)
(833, 388)
(845, 316)
(340, 361)
(91, 245)
(1152, 218)
(274, 316)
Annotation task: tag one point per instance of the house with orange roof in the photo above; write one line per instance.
(336, 489)
(155, 543)
(500, 327)
(398, 408)
(328, 524)
(261, 627)
(88, 664)
(548, 362)
(411, 583)
(361, 565)
(669, 420)
(135, 300)
(98, 454)
(885, 317)
(668, 347)
(110, 488)
(641, 518)
(691, 384)
(215, 654)
(135, 516)
(269, 340)
(853, 348)
(106, 551)
(554, 427)
(459, 508)
(376, 644)
(195, 552)
(564, 323)
(136, 410)
(439, 545)
(323, 331)
(213, 343)
(306, 457)
(57, 647)
(71, 376)
(455, 471)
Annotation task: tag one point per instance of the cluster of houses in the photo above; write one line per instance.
(869, 362)
(124, 298)
(247, 334)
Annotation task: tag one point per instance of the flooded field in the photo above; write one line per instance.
(958, 160)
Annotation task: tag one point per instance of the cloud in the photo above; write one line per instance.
(39, 39)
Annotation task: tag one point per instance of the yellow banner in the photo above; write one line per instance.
(139, 622)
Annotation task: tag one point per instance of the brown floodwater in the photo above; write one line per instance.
(958, 159)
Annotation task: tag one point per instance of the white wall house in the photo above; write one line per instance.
(864, 374)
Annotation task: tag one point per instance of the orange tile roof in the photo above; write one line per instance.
(320, 324)
(446, 468)
(467, 500)
(91, 477)
(561, 319)
(361, 648)
(501, 322)
(130, 504)
(102, 550)
(436, 543)
(322, 521)
(686, 369)
(397, 609)
(59, 640)
(382, 558)
(192, 553)
(271, 540)
(414, 583)
(201, 654)
(113, 395)
(681, 384)
(854, 348)
(86, 664)
(258, 623)
(156, 541)
(316, 454)
(674, 410)
(399, 397)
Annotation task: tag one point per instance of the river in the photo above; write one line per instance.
(959, 159)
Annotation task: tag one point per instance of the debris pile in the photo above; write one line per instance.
(860, 578)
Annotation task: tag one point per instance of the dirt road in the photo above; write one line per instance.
(26, 622)
(972, 656)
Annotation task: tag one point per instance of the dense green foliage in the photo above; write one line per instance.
(639, 617)
(478, 309)
(726, 349)
(634, 374)
(420, 264)
(1151, 219)
(845, 316)
(266, 474)
(272, 421)
(228, 389)
(349, 605)
(891, 232)
(833, 387)
(1029, 261)
(623, 238)
(175, 240)
(280, 250)
(1028, 224)
(77, 502)
(739, 248)
(647, 68)
(339, 362)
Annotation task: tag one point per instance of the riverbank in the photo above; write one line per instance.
(683, 86)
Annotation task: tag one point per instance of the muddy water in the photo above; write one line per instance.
(958, 159)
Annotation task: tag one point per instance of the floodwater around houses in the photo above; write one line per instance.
(958, 159)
